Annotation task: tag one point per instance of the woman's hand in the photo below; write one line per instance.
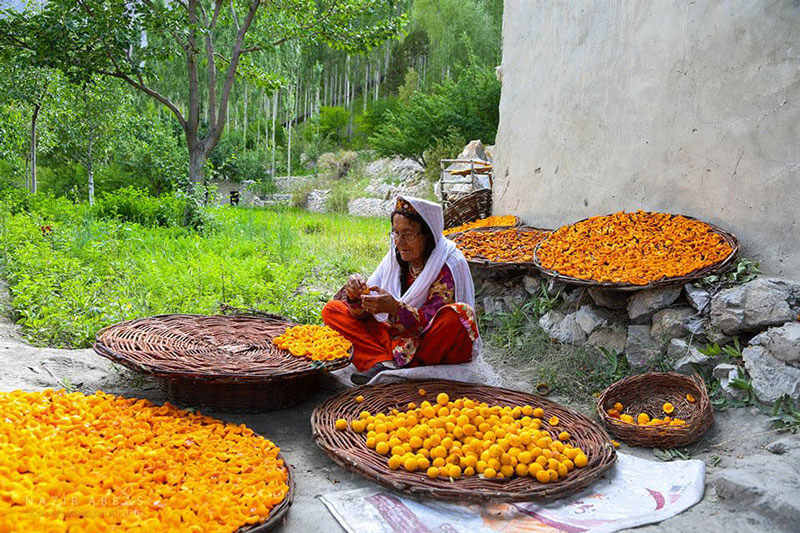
(382, 302)
(356, 286)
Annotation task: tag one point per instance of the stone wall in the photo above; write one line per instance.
(684, 107)
(671, 325)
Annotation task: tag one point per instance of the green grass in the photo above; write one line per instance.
(92, 272)
(571, 372)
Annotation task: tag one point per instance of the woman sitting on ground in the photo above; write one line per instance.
(417, 308)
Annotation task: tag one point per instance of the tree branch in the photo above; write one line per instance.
(235, 17)
(212, 68)
(214, 134)
(191, 66)
(150, 92)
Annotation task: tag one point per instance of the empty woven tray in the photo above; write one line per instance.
(221, 362)
(348, 449)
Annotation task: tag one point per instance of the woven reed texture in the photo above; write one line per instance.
(348, 449)
(222, 363)
(647, 393)
(279, 511)
(720, 266)
(219, 348)
(240, 397)
(483, 262)
(475, 205)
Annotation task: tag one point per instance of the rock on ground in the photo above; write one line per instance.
(611, 338)
(370, 207)
(782, 342)
(698, 298)
(771, 377)
(609, 298)
(317, 200)
(641, 350)
(688, 356)
(643, 304)
(770, 487)
(563, 328)
(671, 323)
(755, 305)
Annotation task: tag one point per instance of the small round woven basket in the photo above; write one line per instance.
(719, 266)
(488, 264)
(226, 363)
(279, 511)
(647, 393)
(348, 449)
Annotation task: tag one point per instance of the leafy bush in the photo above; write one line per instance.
(338, 200)
(333, 123)
(135, 205)
(336, 166)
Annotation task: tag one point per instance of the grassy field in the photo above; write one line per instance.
(90, 271)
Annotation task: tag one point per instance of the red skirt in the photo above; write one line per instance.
(446, 341)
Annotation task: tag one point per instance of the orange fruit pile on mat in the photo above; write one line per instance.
(95, 463)
(505, 220)
(643, 419)
(636, 248)
(451, 439)
(318, 343)
(503, 246)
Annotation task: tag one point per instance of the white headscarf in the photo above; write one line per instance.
(387, 275)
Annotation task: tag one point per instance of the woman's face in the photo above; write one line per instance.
(409, 239)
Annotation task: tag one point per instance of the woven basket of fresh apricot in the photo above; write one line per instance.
(657, 410)
(635, 250)
(462, 442)
(98, 462)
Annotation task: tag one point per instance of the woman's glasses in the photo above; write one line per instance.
(404, 236)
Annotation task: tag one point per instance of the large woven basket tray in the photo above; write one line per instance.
(348, 449)
(647, 393)
(719, 266)
(517, 223)
(484, 263)
(279, 511)
(471, 207)
(218, 362)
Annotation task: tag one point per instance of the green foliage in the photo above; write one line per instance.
(90, 271)
(725, 354)
(377, 113)
(135, 205)
(457, 30)
(574, 372)
(785, 414)
(446, 147)
(333, 123)
(742, 271)
(405, 56)
(467, 107)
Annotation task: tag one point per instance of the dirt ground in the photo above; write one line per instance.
(752, 476)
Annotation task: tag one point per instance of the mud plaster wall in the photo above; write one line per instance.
(685, 107)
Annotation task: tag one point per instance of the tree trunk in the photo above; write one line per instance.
(245, 118)
(34, 117)
(197, 161)
(274, 118)
(365, 89)
(90, 169)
